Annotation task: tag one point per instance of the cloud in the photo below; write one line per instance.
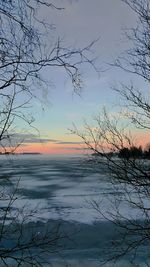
(39, 140)
(75, 148)
(30, 138)
(24, 139)
(70, 143)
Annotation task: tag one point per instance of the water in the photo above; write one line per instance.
(75, 193)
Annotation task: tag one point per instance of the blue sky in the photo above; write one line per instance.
(81, 22)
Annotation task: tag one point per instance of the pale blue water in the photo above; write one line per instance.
(62, 189)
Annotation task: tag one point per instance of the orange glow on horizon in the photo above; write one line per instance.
(140, 139)
(51, 148)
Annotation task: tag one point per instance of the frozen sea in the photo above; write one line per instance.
(76, 192)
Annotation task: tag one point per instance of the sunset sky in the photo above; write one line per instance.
(81, 22)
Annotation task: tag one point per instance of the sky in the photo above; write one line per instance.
(81, 22)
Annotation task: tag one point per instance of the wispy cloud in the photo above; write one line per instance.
(75, 148)
(39, 140)
(70, 143)
(24, 139)
(30, 138)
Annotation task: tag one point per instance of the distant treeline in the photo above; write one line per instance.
(134, 152)
(127, 153)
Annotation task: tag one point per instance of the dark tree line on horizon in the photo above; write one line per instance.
(134, 152)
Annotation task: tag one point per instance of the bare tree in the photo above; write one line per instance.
(24, 51)
(24, 242)
(27, 48)
(111, 134)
